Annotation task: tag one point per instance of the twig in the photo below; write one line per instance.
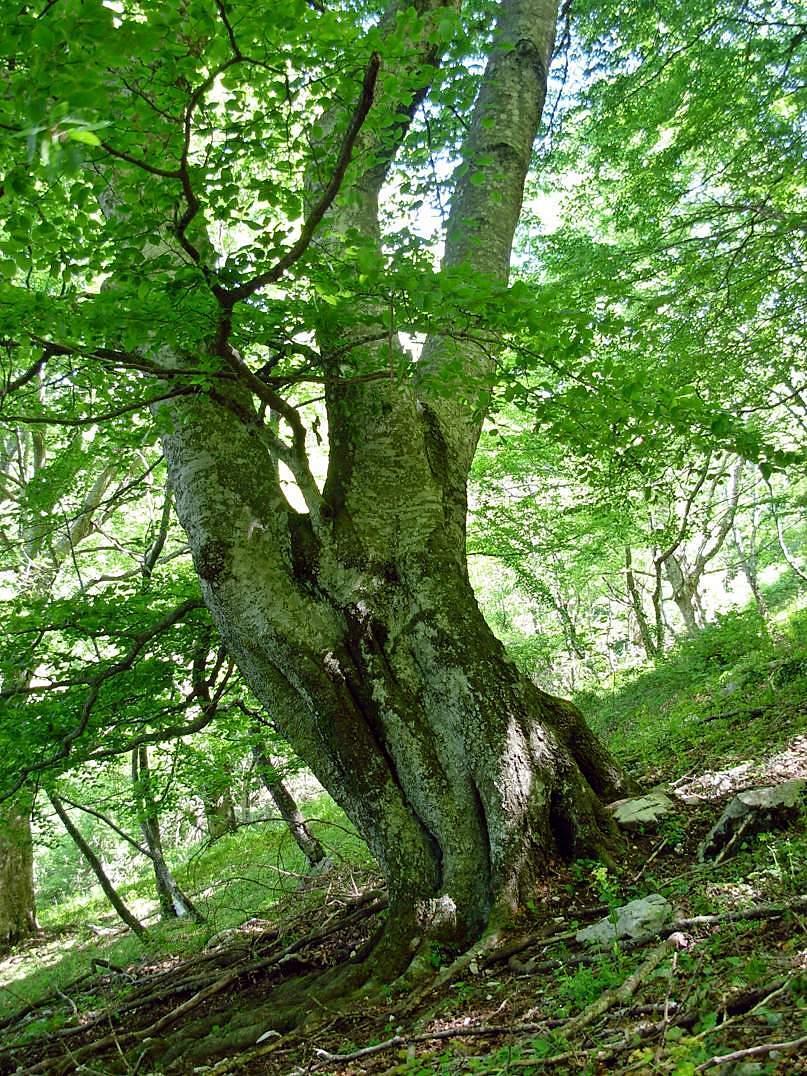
(296, 251)
(433, 1036)
(780, 988)
(601, 1005)
(758, 911)
(619, 994)
(647, 862)
(755, 1051)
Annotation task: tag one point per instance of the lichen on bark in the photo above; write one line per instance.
(355, 623)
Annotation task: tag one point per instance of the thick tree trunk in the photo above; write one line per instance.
(364, 640)
(289, 811)
(355, 623)
(17, 908)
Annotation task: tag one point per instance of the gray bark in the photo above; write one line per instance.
(355, 623)
(289, 811)
(94, 862)
(684, 577)
(174, 904)
(685, 593)
(790, 560)
(652, 642)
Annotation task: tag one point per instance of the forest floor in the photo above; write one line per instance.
(724, 713)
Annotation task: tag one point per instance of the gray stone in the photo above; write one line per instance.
(641, 811)
(633, 920)
(751, 811)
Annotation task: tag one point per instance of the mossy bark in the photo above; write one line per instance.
(17, 907)
(355, 623)
(364, 640)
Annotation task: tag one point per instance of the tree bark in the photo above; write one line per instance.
(685, 594)
(365, 642)
(355, 623)
(174, 904)
(652, 643)
(110, 892)
(219, 814)
(289, 811)
(17, 907)
(791, 561)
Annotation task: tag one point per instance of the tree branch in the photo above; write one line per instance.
(96, 682)
(229, 298)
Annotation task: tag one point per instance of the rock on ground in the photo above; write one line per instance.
(641, 811)
(639, 917)
(751, 811)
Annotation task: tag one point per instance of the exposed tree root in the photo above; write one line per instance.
(304, 989)
(573, 1024)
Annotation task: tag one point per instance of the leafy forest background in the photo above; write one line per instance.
(636, 506)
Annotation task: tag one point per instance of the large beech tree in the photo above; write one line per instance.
(212, 201)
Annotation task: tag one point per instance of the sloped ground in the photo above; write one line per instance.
(540, 1001)
(732, 981)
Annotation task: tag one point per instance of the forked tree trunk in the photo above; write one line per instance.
(354, 623)
(17, 908)
(685, 594)
(365, 642)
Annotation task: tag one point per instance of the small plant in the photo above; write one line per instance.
(597, 875)
(673, 830)
(587, 983)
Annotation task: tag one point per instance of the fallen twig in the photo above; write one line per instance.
(432, 1036)
(620, 994)
(755, 1051)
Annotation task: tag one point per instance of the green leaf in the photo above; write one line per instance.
(80, 134)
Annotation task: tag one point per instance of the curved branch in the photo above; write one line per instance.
(229, 298)
(95, 684)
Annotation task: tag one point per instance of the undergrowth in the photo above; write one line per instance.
(730, 696)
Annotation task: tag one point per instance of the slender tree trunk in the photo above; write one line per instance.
(220, 814)
(17, 908)
(685, 594)
(37, 571)
(95, 864)
(780, 533)
(748, 556)
(289, 811)
(174, 904)
(643, 624)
